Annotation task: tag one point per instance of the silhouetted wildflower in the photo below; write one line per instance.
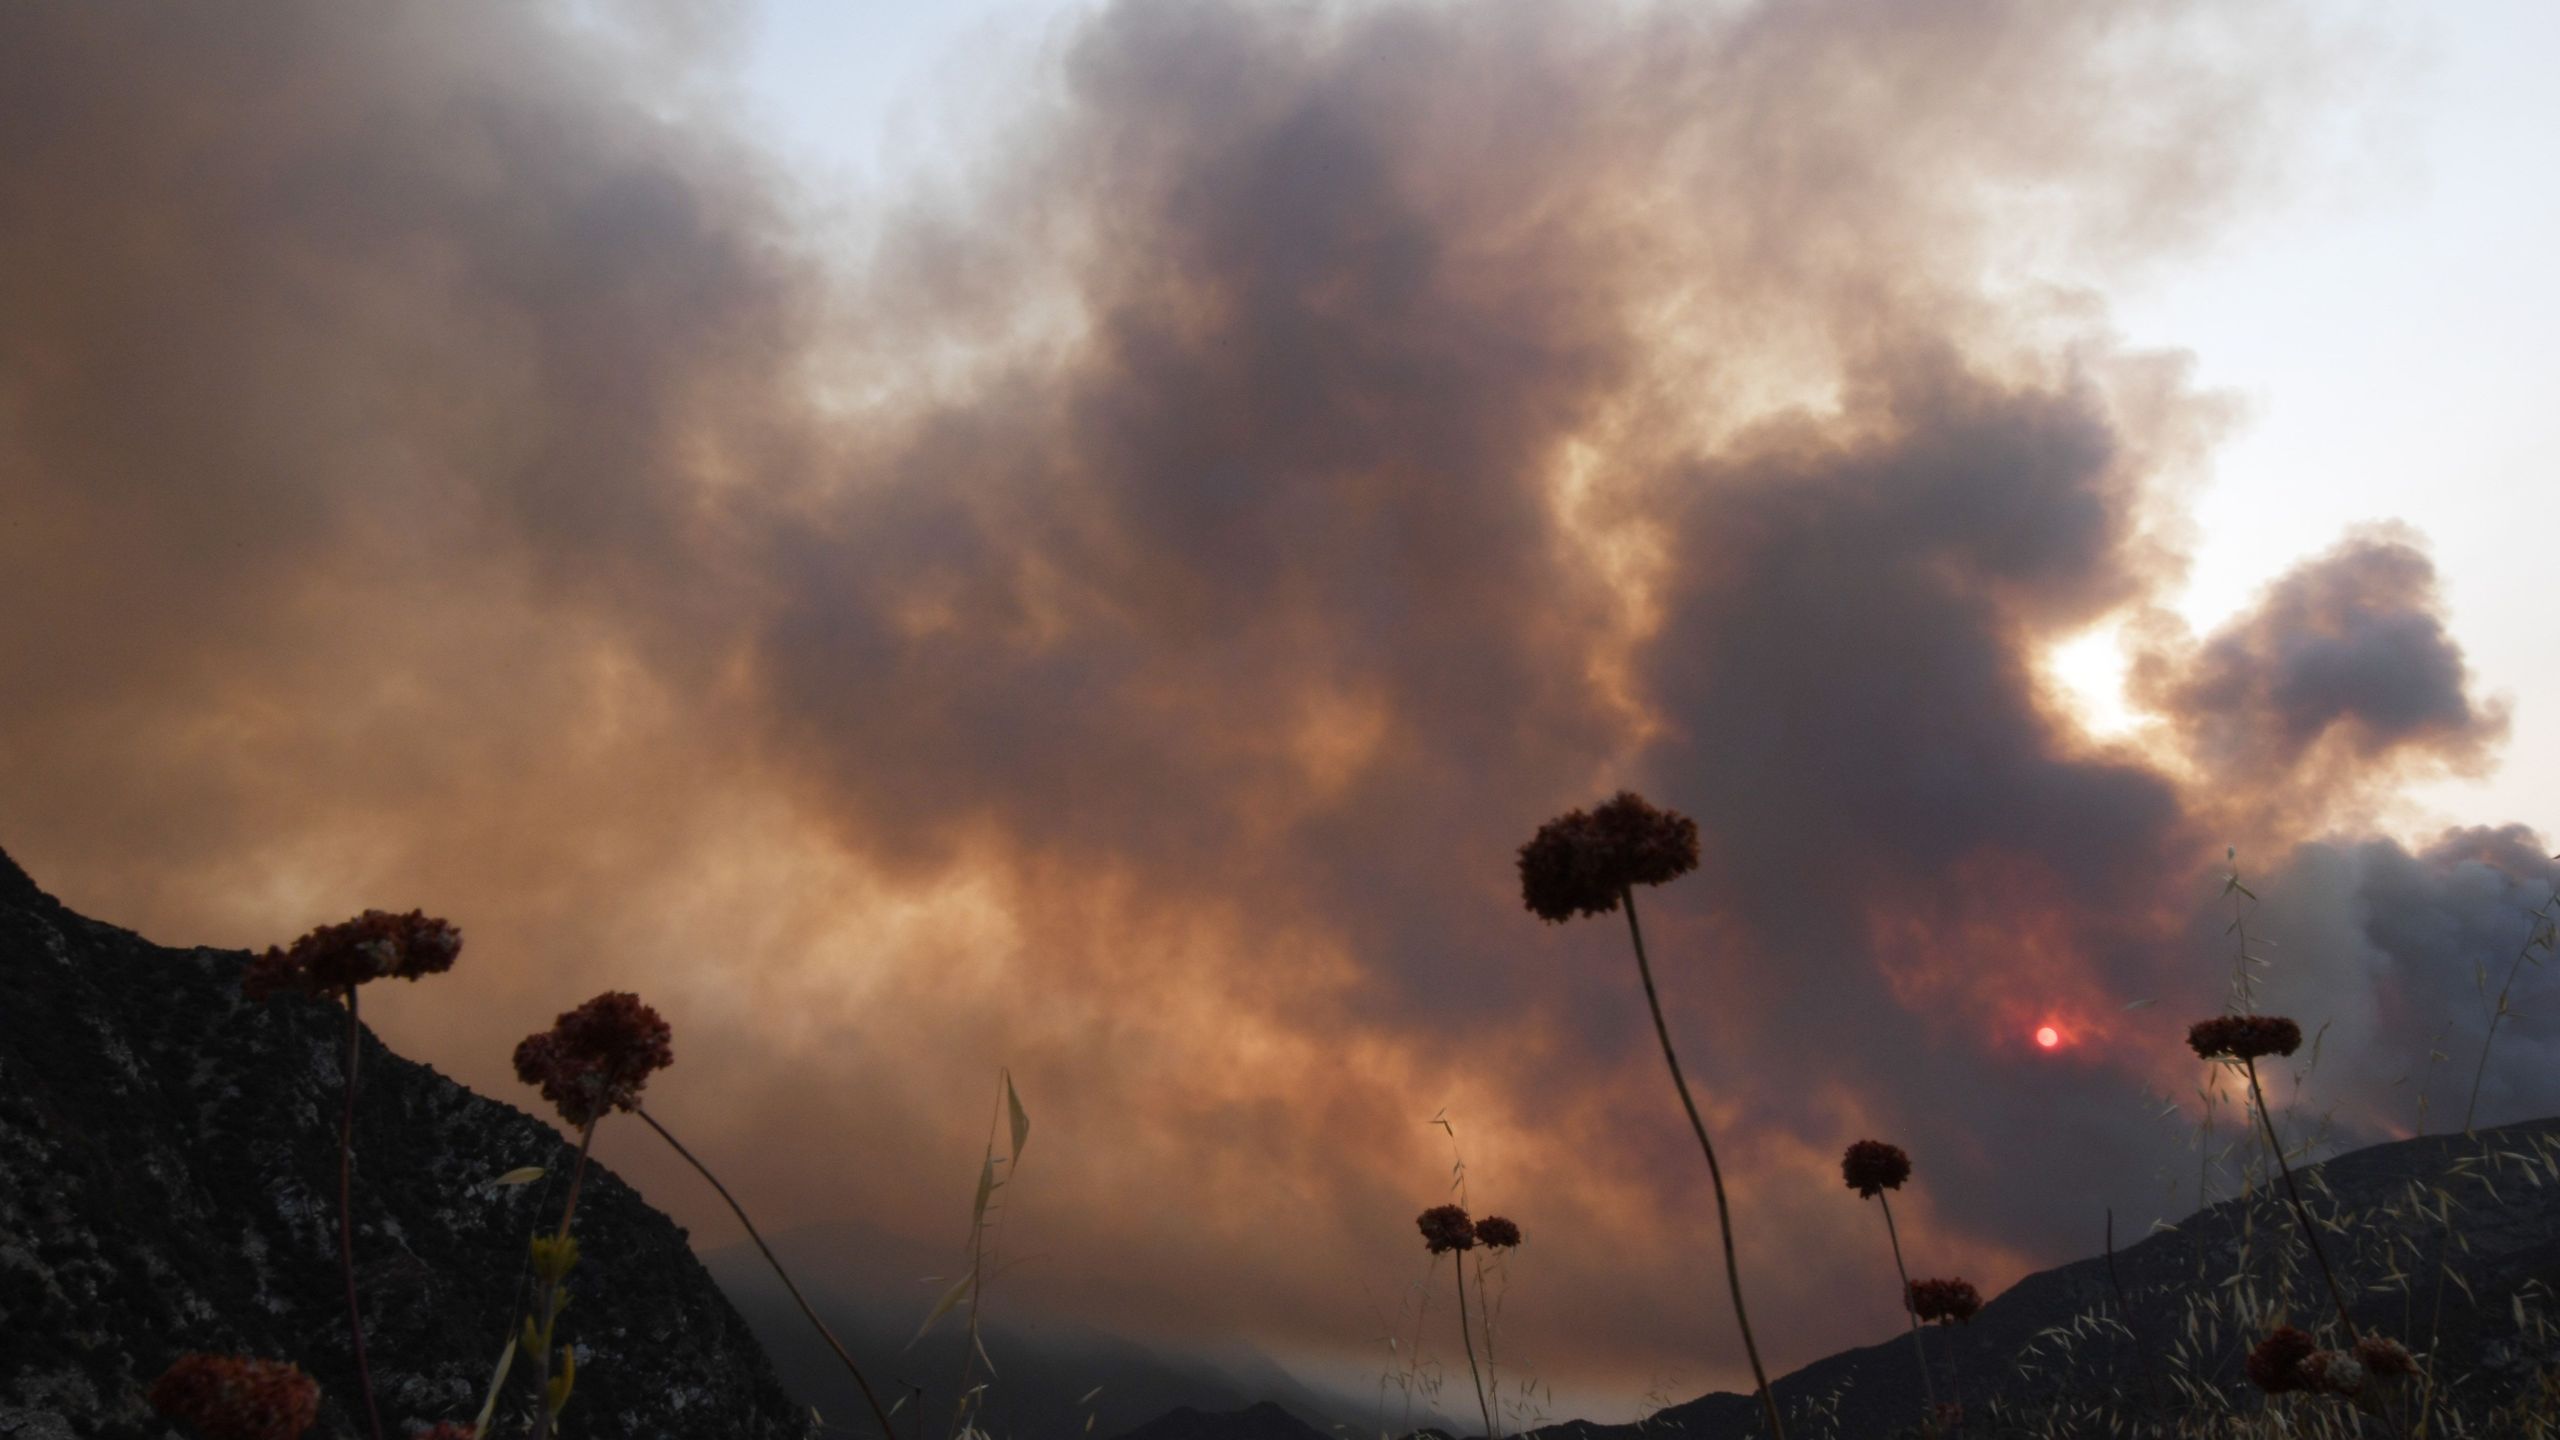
(235, 1397)
(595, 1058)
(2275, 1364)
(1495, 1233)
(2244, 1037)
(376, 945)
(1872, 1166)
(2385, 1357)
(1579, 864)
(1446, 1227)
(1945, 1301)
(273, 973)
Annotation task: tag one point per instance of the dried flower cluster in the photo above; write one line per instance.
(373, 946)
(1446, 1227)
(235, 1397)
(1580, 864)
(2290, 1360)
(2244, 1037)
(1872, 1166)
(1945, 1301)
(1495, 1233)
(595, 1058)
(2386, 1357)
(2275, 1363)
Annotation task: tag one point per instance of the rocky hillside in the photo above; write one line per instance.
(2100, 1346)
(168, 1180)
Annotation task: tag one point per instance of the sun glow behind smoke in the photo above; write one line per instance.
(2088, 673)
(2048, 1038)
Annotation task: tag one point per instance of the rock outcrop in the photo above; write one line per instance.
(168, 1182)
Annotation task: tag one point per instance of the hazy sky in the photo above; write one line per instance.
(929, 540)
(2378, 307)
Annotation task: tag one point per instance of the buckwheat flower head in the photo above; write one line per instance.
(2331, 1372)
(1945, 1301)
(1579, 864)
(1495, 1233)
(2244, 1037)
(376, 945)
(274, 973)
(2385, 1357)
(1872, 1166)
(595, 1058)
(2275, 1365)
(1446, 1227)
(235, 1397)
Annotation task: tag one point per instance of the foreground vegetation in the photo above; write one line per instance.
(2282, 1307)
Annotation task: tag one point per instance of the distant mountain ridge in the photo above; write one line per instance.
(1055, 1379)
(168, 1182)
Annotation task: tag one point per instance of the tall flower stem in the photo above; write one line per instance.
(346, 1214)
(2301, 1214)
(1955, 1377)
(888, 1431)
(550, 1304)
(1458, 1262)
(1928, 1386)
(1715, 1172)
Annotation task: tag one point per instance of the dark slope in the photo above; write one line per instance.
(168, 1180)
(2022, 1352)
(1264, 1421)
(2057, 1340)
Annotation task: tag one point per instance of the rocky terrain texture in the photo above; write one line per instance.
(168, 1182)
(2061, 1341)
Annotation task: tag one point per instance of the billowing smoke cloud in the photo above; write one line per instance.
(2342, 669)
(1122, 626)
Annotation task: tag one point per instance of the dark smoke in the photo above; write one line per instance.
(2344, 665)
(1121, 626)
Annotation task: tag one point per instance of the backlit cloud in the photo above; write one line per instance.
(1121, 626)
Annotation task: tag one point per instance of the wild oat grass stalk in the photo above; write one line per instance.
(2538, 939)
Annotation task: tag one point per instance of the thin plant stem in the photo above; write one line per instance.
(888, 1431)
(346, 1214)
(2538, 937)
(1715, 1172)
(1928, 1386)
(1487, 1308)
(551, 1290)
(2301, 1213)
(961, 1408)
(2124, 1308)
(1467, 1334)
(1955, 1373)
